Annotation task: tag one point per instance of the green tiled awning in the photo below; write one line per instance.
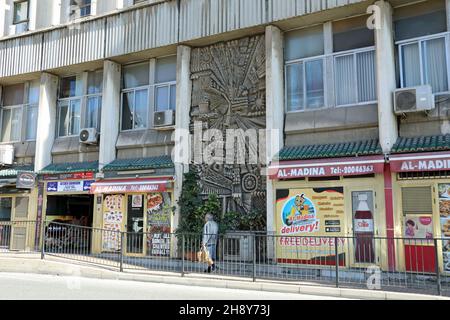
(336, 150)
(422, 144)
(161, 162)
(15, 170)
(72, 167)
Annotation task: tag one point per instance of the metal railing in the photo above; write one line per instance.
(364, 261)
(19, 236)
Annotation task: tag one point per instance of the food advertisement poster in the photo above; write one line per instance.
(159, 216)
(308, 220)
(444, 210)
(113, 214)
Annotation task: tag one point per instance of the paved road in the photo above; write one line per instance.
(45, 287)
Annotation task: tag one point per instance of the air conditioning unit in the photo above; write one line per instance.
(89, 136)
(6, 154)
(413, 99)
(237, 246)
(164, 118)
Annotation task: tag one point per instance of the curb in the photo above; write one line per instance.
(54, 266)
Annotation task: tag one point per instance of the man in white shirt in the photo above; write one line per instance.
(210, 235)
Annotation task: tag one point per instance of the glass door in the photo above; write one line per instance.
(135, 224)
(5, 222)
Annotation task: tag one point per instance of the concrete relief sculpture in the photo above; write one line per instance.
(228, 96)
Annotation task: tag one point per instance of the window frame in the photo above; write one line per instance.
(303, 61)
(83, 100)
(151, 93)
(420, 41)
(14, 12)
(23, 115)
(354, 53)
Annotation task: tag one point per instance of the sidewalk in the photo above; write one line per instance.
(31, 263)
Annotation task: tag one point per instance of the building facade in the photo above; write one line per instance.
(93, 93)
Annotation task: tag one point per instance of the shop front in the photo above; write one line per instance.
(136, 200)
(66, 200)
(422, 207)
(17, 209)
(328, 206)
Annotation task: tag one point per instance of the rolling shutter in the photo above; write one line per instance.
(417, 200)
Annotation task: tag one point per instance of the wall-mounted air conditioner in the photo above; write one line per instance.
(6, 154)
(89, 136)
(413, 99)
(164, 118)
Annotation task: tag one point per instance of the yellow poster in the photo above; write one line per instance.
(113, 218)
(308, 222)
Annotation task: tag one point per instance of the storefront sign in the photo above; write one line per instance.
(327, 168)
(71, 176)
(307, 222)
(420, 162)
(26, 180)
(69, 186)
(130, 186)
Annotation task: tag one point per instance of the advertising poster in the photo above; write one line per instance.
(418, 227)
(159, 216)
(308, 220)
(444, 210)
(113, 211)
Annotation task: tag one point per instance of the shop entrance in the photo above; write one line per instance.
(135, 224)
(64, 211)
(71, 209)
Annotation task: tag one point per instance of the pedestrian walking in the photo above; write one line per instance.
(210, 235)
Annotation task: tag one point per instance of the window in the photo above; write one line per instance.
(305, 75)
(5, 209)
(425, 62)
(19, 111)
(20, 12)
(421, 19)
(80, 8)
(142, 81)
(350, 34)
(94, 100)
(80, 95)
(422, 46)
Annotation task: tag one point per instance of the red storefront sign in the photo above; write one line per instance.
(130, 186)
(71, 176)
(327, 167)
(436, 161)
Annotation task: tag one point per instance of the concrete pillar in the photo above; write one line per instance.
(46, 129)
(56, 12)
(32, 15)
(110, 117)
(386, 80)
(329, 64)
(274, 116)
(3, 9)
(182, 120)
(447, 7)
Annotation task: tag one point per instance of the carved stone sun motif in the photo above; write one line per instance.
(229, 93)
